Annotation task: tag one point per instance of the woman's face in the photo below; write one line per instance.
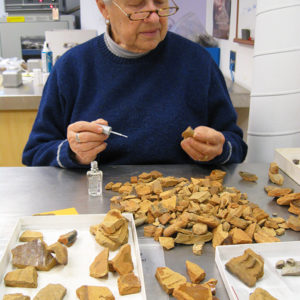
(136, 36)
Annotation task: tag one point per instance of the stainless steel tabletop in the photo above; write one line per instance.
(25, 97)
(30, 190)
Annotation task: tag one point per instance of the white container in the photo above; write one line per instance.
(284, 158)
(259, 152)
(274, 4)
(280, 287)
(45, 77)
(276, 73)
(274, 37)
(273, 117)
(34, 64)
(37, 77)
(12, 78)
(80, 255)
(285, 118)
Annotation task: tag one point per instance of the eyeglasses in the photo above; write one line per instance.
(141, 15)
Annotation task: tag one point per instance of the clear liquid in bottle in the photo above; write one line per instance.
(95, 178)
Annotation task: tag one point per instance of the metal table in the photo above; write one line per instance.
(25, 97)
(30, 190)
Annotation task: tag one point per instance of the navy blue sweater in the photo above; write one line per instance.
(152, 99)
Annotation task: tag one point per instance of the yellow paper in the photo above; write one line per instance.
(15, 19)
(66, 211)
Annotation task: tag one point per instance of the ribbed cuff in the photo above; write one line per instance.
(64, 156)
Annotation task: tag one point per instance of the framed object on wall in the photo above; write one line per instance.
(245, 22)
(221, 18)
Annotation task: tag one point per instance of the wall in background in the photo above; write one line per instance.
(90, 16)
(198, 7)
(2, 11)
(244, 53)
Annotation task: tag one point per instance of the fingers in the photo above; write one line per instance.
(82, 132)
(193, 153)
(87, 137)
(206, 144)
(84, 147)
(86, 157)
(87, 152)
(86, 140)
(83, 126)
(208, 135)
(100, 121)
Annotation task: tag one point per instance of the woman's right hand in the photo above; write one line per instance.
(86, 140)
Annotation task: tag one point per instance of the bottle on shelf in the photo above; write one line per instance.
(47, 58)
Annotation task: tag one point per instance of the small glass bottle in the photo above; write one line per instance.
(95, 177)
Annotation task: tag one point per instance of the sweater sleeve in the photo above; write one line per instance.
(47, 144)
(223, 117)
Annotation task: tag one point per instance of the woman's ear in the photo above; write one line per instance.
(103, 8)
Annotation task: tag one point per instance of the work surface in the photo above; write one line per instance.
(26, 191)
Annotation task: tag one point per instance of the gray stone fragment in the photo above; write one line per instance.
(280, 264)
(291, 261)
(289, 270)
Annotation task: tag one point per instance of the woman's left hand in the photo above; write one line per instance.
(205, 145)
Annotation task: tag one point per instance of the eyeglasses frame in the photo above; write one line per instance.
(128, 15)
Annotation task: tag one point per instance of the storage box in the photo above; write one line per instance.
(285, 158)
(12, 78)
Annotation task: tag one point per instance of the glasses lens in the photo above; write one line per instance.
(139, 15)
(165, 12)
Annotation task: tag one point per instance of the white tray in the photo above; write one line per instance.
(284, 158)
(80, 255)
(280, 287)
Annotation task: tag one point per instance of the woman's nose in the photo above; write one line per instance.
(153, 17)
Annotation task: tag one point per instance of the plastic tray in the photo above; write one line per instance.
(280, 287)
(80, 255)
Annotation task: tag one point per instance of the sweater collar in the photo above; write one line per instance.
(117, 50)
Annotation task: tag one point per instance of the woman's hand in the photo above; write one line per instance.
(86, 140)
(205, 145)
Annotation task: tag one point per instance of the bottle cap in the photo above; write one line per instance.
(94, 165)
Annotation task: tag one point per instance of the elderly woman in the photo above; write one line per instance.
(143, 81)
